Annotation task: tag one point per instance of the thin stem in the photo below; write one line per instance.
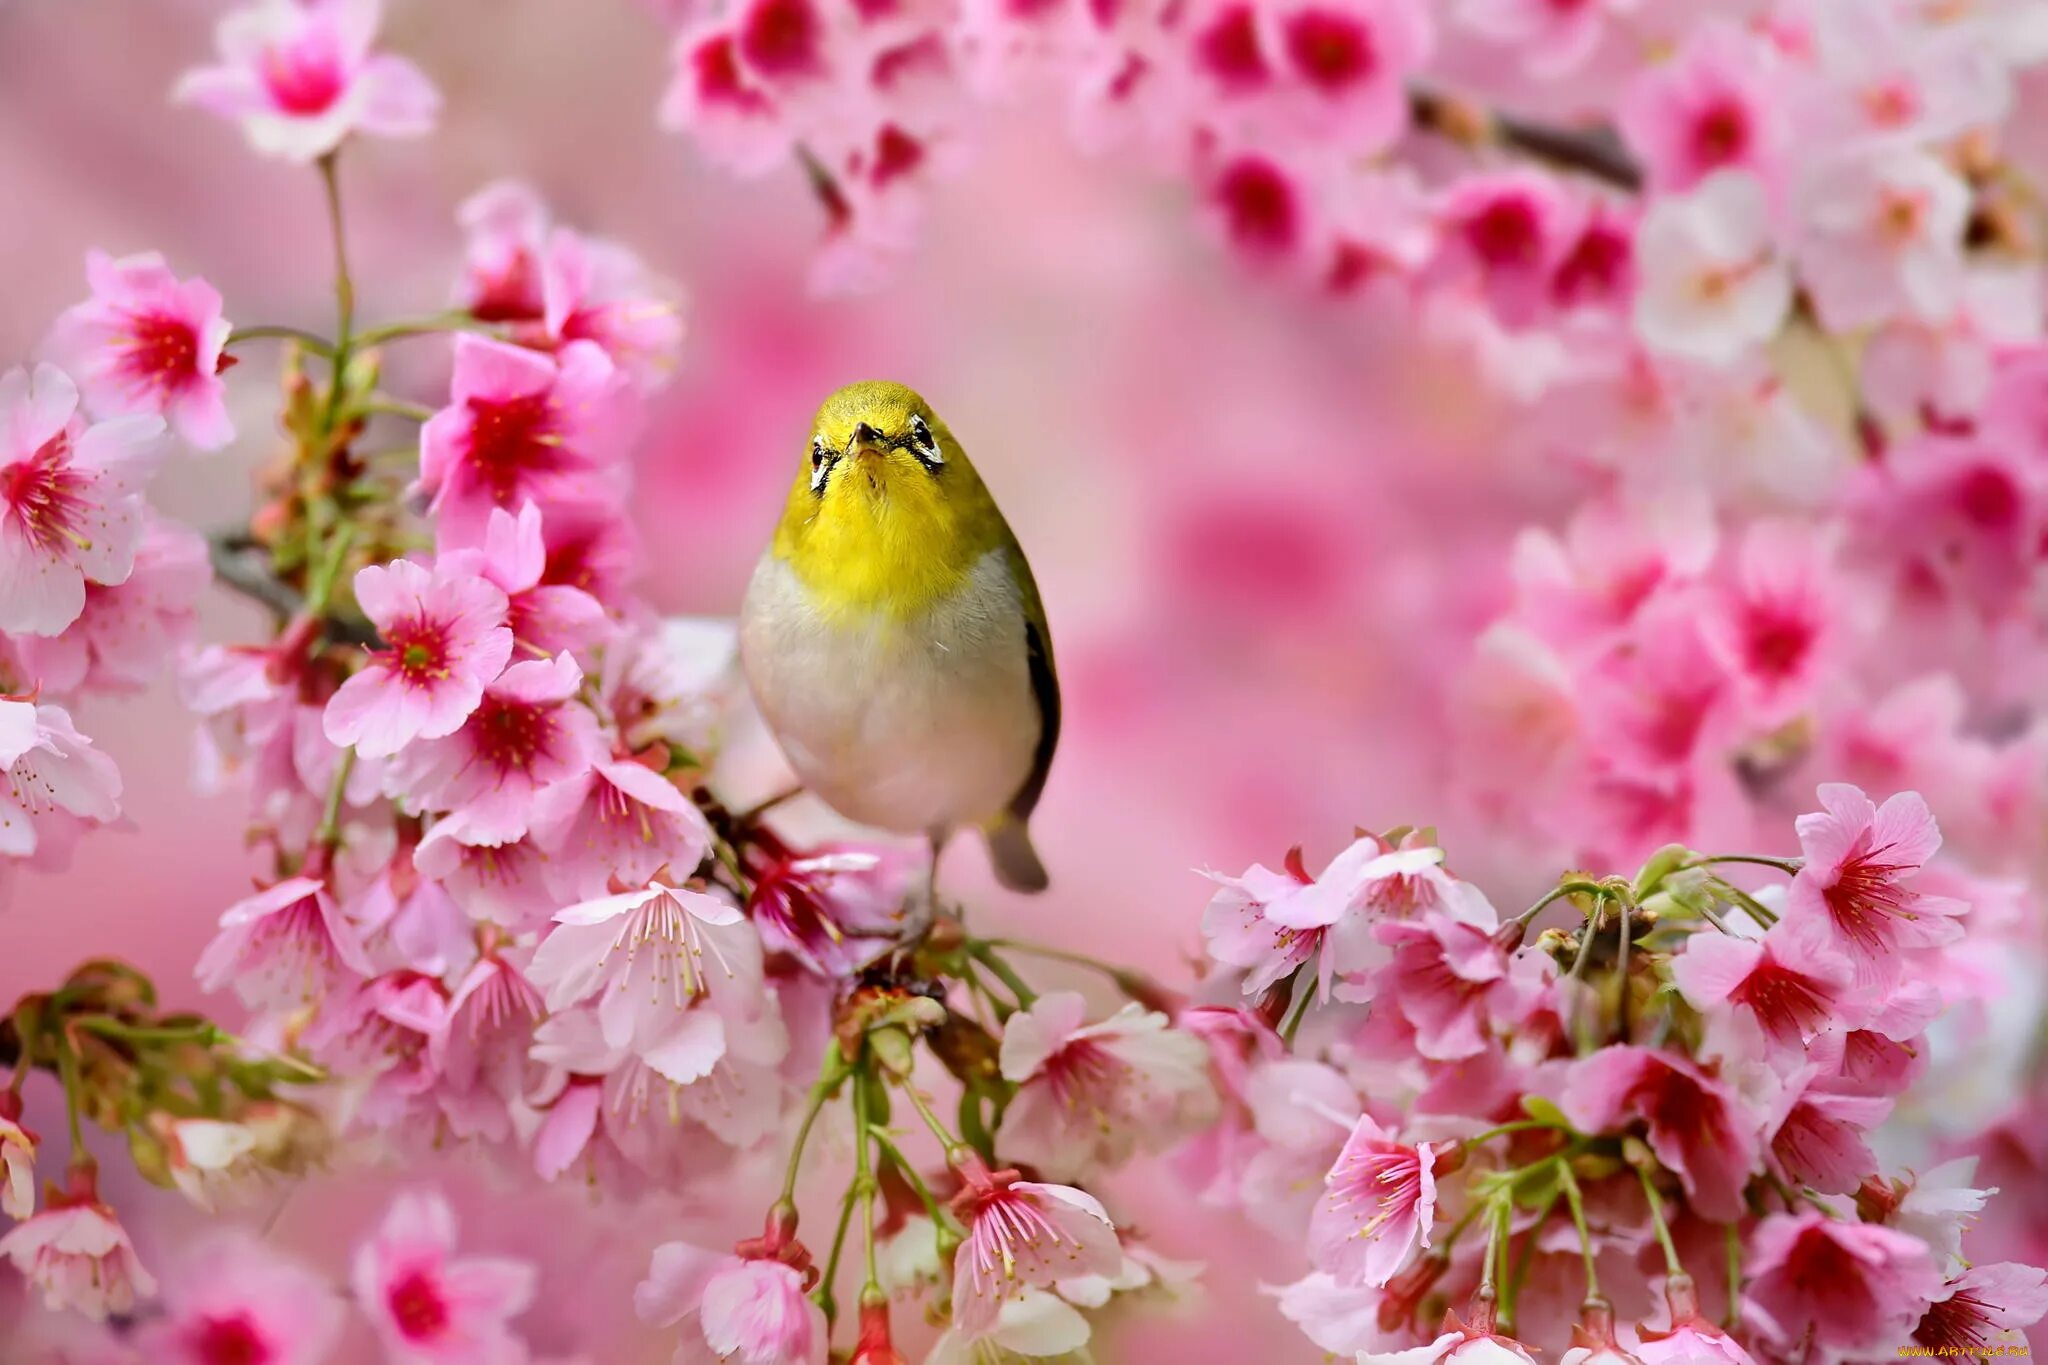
(1558, 893)
(1523, 1259)
(1129, 982)
(834, 1072)
(822, 1295)
(328, 833)
(1751, 906)
(1789, 866)
(917, 1182)
(986, 956)
(436, 325)
(1671, 1262)
(1621, 975)
(1570, 1183)
(107, 1027)
(931, 1120)
(864, 1176)
(67, 1072)
(1496, 1225)
(344, 283)
(318, 345)
(394, 407)
(1733, 1243)
(1518, 1126)
(1293, 1024)
(762, 807)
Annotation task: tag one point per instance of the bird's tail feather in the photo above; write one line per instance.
(1016, 861)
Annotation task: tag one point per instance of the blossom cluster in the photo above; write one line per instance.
(1661, 1112)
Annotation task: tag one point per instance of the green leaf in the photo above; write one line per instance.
(1543, 1111)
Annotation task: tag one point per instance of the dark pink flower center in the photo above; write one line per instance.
(1789, 1004)
(1957, 1326)
(719, 81)
(1082, 1068)
(510, 438)
(1595, 267)
(1229, 48)
(1258, 205)
(1386, 1179)
(417, 1306)
(417, 651)
(1866, 895)
(1720, 134)
(304, 78)
(510, 735)
(161, 352)
(229, 1341)
(1987, 497)
(780, 37)
(897, 154)
(1506, 233)
(1777, 641)
(47, 498)
(1330, 50)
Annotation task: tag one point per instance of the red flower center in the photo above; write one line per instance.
(1505, 232)
(1258, 204)
(229, 1341)
(780, 37)
(719, 81)
(509, 439)
(47, 498)
(162, 351)
(511, 734)
(1987, 498)
(1230, 50)
(897, 154)
(1866, 893)
(1595, 267)
(417, 1306)
(305, 78)
(1721, 133)
(1330, 50)
(418, 651)
(1778, 641)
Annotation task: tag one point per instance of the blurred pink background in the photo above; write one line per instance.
(1251, 514)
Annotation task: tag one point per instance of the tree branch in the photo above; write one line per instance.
(242, 566)
(1596, 152)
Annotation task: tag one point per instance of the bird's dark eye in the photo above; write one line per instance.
(822, 461)
(817, 453)
(924, 444)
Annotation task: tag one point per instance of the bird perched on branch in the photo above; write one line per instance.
(894, 639)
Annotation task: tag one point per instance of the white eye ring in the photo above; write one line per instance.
(821, 463)
(927, 445)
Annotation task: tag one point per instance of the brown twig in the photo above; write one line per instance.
(242, 566)
(1596, 151)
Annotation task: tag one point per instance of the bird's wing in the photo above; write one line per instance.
(1045, 687)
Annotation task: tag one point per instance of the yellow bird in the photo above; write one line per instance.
(894, 639)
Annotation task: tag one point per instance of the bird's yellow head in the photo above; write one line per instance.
(885, 514)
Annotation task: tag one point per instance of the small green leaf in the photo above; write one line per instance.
(1543, 1111)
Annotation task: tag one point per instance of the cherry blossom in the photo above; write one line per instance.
(77, 1254)
(1022, 1235)
(148, 342)
(429, 1304)
(444, 640)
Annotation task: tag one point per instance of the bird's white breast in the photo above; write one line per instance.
(910, 725)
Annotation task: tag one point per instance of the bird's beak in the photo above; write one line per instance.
(866, 441)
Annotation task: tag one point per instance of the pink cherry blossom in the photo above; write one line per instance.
(234, 1301)
(835, 908)
(545, 617)
(496, 882)
(724, 106)
(50, 770)
(1790, 981)
(17, 1160)
(1698, 1127)
(1377, 1205)
(1773, 626)
(527, 732)
(619, 819)
(481, 1051)
(125, 633)
(1239, 931)
(1884, 238)
(1690, 1339)
(523, 427)
(1444, 979)
(504, 224)
(1981, 1310)
(1711, 108)
(1859, 857)
(601, 292)
(1089, 1096)
(444, 640)
(1844, 1286)
(1473, 1344)
(430, 1305)
(79, 1257)
(283, 947)
(750, 1311)
(1818, 1136)
(70, 498)
(301, 77)
(381, 1032)
(1506, 235)
(148, 342)
(1340, 65)
(1553, 38)
(646, 956)
(1023, 1235)
(1713, 282)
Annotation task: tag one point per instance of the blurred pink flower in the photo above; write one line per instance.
(504, 223)
(602, 292)
(751, 1311)
(1377, 1205)
(1549, 37)
(1773, 626)
(300, 77)
(835, 908)
(70, 498)
(126, 631)
(444, 639)
(1475, 1343)
(429, 1305)
(1690, 1339)
(17, 1160)
(1089, 1096)
(1713, 107)
(523, 427)
(1023, 1235)
(527, 732)
(283, 947)
(1843, 1286)
(1858, 858)
(1698, 1127)
(236, 1301)
(78, 1255)
(1713, 282)
(148, 342)
(1505, 235)
(49, 768)
(1883, 238)
(724, 107)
